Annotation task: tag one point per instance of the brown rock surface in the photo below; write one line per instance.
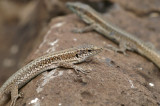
(140, 7)
(114, 79)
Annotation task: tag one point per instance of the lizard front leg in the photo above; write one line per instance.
(85, 29)
(71, 65)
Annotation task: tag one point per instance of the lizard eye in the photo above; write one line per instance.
(89, 50)
(77, 55)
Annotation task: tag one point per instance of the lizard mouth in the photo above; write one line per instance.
(96, 50)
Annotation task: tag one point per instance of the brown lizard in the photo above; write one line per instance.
(66, 58)
(125, 40)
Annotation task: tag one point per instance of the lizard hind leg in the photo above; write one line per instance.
(122, 48)
(14, 94)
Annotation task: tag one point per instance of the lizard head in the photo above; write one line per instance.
(86, 51)
(82, 10)
(77, 7)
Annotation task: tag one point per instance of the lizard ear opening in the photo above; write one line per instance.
(89, 50)
(77, 55)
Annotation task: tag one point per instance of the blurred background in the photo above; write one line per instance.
(23, 24)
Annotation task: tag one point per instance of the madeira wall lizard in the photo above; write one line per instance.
(125, 40)
(66, 58)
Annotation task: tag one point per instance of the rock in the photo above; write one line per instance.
(138, 7)
(114, 79)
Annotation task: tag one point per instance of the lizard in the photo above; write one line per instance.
(66, 58)
(125, 40)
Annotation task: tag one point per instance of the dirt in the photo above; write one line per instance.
(114, 79)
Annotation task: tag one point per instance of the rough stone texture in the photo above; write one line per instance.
(114, 79)
(140, 7)
(145, 28)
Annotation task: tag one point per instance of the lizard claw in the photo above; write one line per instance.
(20, 95)
(123, 51)
(77, 70)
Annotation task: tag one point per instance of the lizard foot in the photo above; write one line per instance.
(110, 47)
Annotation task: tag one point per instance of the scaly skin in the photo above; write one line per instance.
(125, 40)
(66, 58)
